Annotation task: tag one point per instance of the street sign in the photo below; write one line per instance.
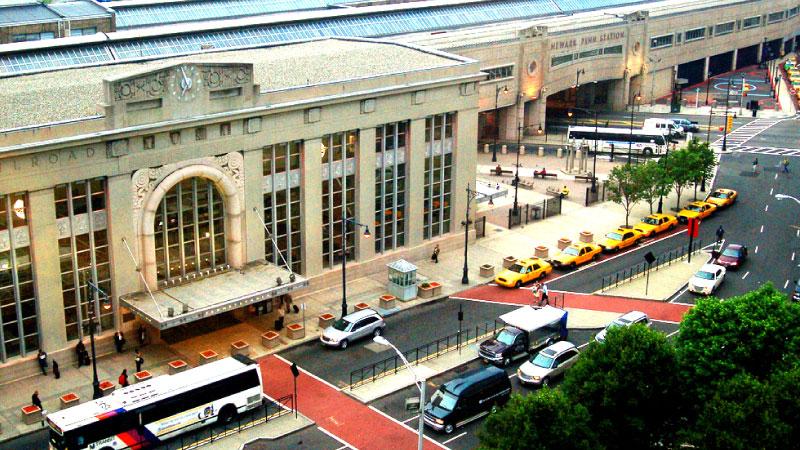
(693, 228)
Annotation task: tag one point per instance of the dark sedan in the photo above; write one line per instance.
(733, 256)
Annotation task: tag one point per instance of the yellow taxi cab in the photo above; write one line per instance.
(722, 198)
(619, 239)
(656, 223)
(523, 271)
(576, 254)
(696, 210)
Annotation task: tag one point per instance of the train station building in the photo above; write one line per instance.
(166, 175)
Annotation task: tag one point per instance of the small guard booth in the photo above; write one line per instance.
(402, 279)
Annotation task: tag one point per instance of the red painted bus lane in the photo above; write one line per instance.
(337, 413)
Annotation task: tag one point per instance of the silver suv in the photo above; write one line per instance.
(549, 363)
(626, 320)
(351, 327)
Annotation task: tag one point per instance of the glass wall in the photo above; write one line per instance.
(282, 203)
(190, 230)
(438, 174)
(19, 333)
(338, 194)
(83, 255)
(390, 186)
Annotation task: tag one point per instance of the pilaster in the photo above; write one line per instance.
(311, 207)
(465, 160)
(254, 234)
(415, 183)
(124, 275)
(365, 192)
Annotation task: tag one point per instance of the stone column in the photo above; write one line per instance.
(44, 248)
(464, 163)
(415, 183)
(311, 207)
(706, 67)
(733, 59)
(125, 278)
(508, 123)
(254, 234)
(365, 192)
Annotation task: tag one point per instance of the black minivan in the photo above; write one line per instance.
(466, 398)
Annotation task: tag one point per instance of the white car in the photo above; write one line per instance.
(548, 364)
(707, 279)
(625, 320)
(351, 327)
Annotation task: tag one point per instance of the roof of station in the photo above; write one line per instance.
(372, 21)
(34, 12)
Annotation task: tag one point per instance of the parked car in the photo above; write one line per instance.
(732, 257)
(722, 198)
(687, 125)
(351, 327)
(796, 293)
(619, 239)
(466, 398)
(656, 223)
(548, 364)
(696, 210)
(707, 279)
(625, 320)
(576, 254)
(523, 271)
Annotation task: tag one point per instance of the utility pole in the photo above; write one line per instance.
(470, 196)
(725, 122)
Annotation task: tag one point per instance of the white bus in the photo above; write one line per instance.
(642, 142)
(147, 413)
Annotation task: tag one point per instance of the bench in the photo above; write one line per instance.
(555, 191)
(527, 184)
(542, 175)
(585, 178)
(502, 172)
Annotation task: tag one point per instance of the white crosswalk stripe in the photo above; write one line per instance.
(743, 134)
(768, 150)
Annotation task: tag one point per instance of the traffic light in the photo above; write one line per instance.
(729, 123)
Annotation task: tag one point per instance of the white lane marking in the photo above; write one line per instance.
(786, 284)
(770, 191)
(410, 419)
(584, 344)
(405, 426)
(745, 275)
(681, 292)
(337, 438)
(766, 208)
(762, 228)
(455, 437)
(776, 176)
(678, 303)
(342, 447)
(665, 321)
(288, 363)
(792, 256)
(798, 233)
(513, 375)
(756, 249)
(674, 333)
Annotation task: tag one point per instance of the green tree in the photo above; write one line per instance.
(630, 387)
(623, 187)
(705, 162)
(653, 182)
(680, 171)
(544, 420)
(785, 387)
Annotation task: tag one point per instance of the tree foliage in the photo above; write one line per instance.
(621, 381)
(704, 162)
(653, 181)
(624, 188)
(680, 171)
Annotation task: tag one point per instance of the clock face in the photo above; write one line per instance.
(185, 82)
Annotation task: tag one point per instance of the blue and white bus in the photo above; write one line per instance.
(145, 414)
(642, 142)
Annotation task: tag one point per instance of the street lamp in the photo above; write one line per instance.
(470, 196)
(345, 221)
(419, 382)
(520, 129)
(784, 197)
(497, 90)
(634, 100)
(661, 194)
(725, 122)
(594, 162)
(96, 392)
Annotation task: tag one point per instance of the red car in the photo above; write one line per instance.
(733, 256)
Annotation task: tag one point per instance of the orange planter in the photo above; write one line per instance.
(361, 306)
(68, 400)
(296, 331)
(144, 375)
(207, 356)
(176, 366)
(240, 347)
(270, 339)
(387, 301)
(325, 320)
(107, 387)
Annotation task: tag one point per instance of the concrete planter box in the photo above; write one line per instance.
(487, 270)
(240, 348)
(31, 414)
(69, 400)
(437, 288)
(144, 375)
(564, 243)
(207, 356)
(325, 320)
(425, 290)
(270, 339)
(387, 301)
(361, 306)
(107, 387)
(508, 261)
(177, 366)
(295, 331)
(587, 236)
(541, 252)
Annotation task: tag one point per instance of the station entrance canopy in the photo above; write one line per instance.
(207, 297)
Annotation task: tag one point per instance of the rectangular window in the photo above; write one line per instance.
(561, 59)
(149, 142)
(589, 53)
(695, 34)
(225, 129)
(724, 28)
(499, 72)
(200, 134)
(614, 50)
(19, 330)
(83, 31)
(661, 41)
(794, 11)
(282, 204)
(438, 190)
(390, 186)
(775, 17)
(338, 196)
(678, 37)
(25, 37)
(84, 255)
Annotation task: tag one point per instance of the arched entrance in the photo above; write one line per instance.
(191, 222)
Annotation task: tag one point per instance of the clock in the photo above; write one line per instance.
(185, 82)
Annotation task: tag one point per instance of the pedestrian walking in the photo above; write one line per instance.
(785, 164)
(35, 400)
(755, 165)
(56, 372)
(141, 333)
(123, 378)
(545, 297)
(79, 351)
(138, 360)
(720, 234)
(119, 341)
(435, 255)
(42, 357)
(536, 290)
